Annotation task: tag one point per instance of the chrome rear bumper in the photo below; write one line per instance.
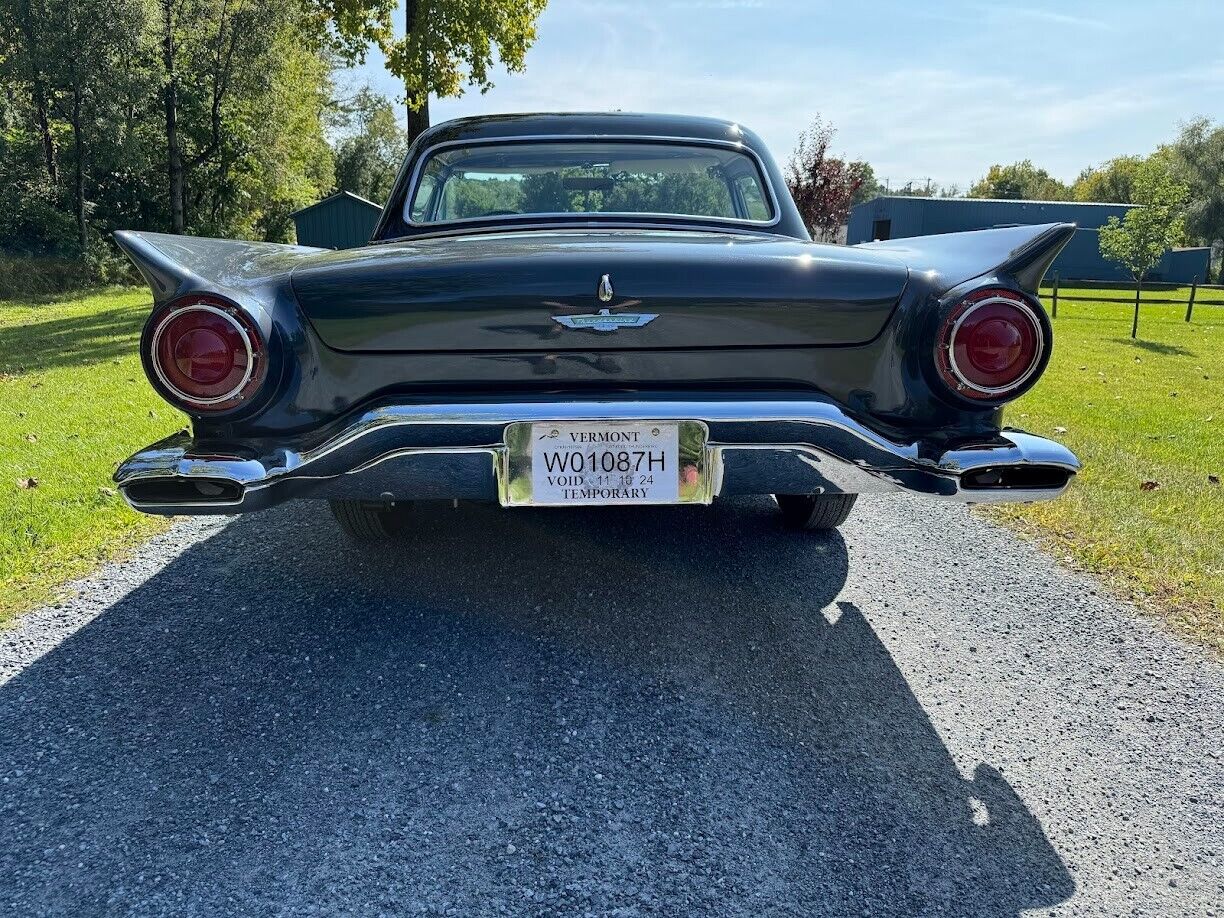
(407, 452)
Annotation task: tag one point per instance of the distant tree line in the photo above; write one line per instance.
(825, 186)
(202, 116)
(214, 117)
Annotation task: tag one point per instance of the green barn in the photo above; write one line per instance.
(343, 221)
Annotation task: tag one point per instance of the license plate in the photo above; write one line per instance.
(582, 463)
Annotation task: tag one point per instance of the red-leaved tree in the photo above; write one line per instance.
(823, 186)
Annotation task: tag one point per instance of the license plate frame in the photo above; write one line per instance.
(520, 486)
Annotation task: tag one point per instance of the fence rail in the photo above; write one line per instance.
(1137, 300)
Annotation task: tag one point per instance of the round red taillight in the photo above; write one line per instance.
(207, 353)
(990, 345)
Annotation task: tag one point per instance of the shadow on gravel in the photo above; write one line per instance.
(607, 713)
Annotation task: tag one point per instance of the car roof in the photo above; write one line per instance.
(590, 124)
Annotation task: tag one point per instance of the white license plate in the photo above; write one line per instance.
(576, 463)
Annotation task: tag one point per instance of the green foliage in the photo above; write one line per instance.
(369, 154)
(870, 188)
(85, 141)
(1111, 183)
(1020, 181)
(447, 44)
(1197, 156)
(675, 193)
(1146, 232)
(469, 197)
(546, 192)
(451, 43)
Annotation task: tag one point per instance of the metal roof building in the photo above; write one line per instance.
(342, 221)
(899, 217)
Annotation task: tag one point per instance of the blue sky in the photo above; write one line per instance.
(919, 89)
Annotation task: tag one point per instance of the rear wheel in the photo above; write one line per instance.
(369, 521)
(815, 511)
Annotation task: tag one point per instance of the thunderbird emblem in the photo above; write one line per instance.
(605, 321)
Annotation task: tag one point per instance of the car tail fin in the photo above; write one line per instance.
(173, 265)
(1022, 253)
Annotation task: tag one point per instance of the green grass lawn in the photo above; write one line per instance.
(73, 403)
(1146, 417)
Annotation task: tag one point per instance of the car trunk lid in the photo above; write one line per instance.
(583, 291)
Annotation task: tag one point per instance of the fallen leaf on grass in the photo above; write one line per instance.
(106, 492)
(1213, 479)
(27, 483)
(1060, 430)
(31, 438)
(1149, 486)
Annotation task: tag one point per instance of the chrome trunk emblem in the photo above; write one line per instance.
(605, 321)
(605, 289)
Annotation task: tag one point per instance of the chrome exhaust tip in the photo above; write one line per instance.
(164, 494)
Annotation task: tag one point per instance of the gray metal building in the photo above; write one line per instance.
(899, 217)
(343, 221)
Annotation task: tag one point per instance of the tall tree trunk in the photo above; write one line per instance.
(1135, 320)
(44, 128)
(78, 187)
(418, 118)
(174, 153)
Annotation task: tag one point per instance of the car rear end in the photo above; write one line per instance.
(594, 356)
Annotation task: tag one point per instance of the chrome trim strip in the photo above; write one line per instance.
(501, 219)
(246, 343)
(820, 436)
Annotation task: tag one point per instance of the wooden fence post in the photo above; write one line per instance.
(1056, 296)
(1135, 321)
(1190, 305)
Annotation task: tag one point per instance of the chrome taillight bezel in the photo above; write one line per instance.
(959, 381)
(244, 325)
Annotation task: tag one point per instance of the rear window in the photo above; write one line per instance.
(490, 180)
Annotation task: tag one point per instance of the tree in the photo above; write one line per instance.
(1197, 157)
(447, 45)
(1020, 181)
(871, 187)
(369, 156)
(1140, 239)
(822, 186)
(85, 132)
(1111, 183)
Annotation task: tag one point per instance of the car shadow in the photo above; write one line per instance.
(657, 711)
(1156, 347)
(107, 334)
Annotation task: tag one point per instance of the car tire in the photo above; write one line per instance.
(815, 511)
(369, 521)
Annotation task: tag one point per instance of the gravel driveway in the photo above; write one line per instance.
(615, 713)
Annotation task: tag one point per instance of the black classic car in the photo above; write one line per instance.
(579, 309)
